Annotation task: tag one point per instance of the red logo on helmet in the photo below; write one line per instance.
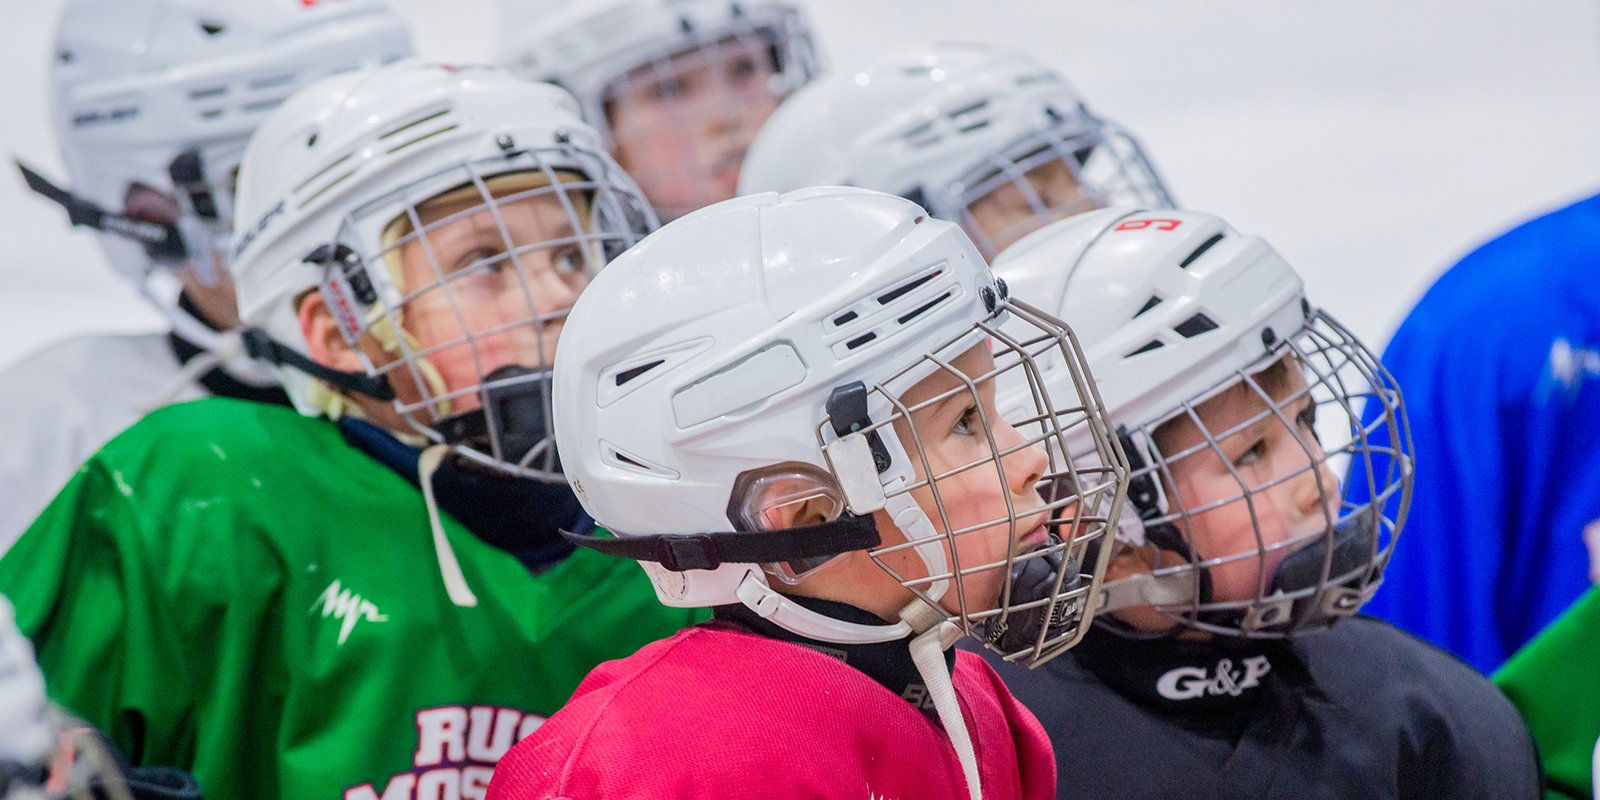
(1141, 224)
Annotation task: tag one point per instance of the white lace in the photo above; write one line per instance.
(455, 583)
(927, 652)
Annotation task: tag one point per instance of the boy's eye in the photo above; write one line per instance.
(568, 261)
(967, 423)
(1252, 455)
(667, 89)
(742, 68)
(478, 256)
(1307, 419)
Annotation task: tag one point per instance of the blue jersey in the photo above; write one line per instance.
(1499, 365)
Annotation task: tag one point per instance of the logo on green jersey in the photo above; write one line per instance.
(349, 607)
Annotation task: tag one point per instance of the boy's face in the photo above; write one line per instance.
(214, 297)
(1294, 494)
(681, 126)
(951, 434)
(1013, 210)
(475, 306)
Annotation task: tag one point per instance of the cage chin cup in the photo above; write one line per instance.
(1034, 581)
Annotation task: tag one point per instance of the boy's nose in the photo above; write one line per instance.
(1025, 467)
(1314, 487)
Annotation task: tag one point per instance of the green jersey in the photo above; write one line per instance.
(1551, 680)
(232, 589)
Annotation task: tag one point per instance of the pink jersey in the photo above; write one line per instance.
(718, 712)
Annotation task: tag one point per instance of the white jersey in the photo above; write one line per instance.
(60, 404)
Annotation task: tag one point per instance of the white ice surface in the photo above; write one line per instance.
(1372, 142)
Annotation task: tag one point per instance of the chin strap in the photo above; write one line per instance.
(936, 634)
(161, 241)
(681, 552)
(784, 612)
(261, 346)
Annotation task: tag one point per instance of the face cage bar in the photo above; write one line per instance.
(1100, 481)
(1115, 172)
(617, 216)
(1343, 374)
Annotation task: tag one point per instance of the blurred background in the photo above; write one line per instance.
(1372, 142)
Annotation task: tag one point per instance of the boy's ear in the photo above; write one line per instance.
(812, 511)
(324, 343)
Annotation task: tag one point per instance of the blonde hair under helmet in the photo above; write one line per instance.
(509, 187)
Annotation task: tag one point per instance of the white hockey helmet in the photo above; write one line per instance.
(338, 193)
(1178, 307)
(155, 99)
(770, 344)
(986, 136)
(600, 49)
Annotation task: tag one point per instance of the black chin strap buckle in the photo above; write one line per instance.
(692, 551)
(847, 412)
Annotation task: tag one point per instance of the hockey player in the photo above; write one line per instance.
(680, 87)
(47, 755)
(1506, 421)
(153, 102)
(1215, 669)
(798, 428)
(1551, 681)
(307, 604)
(986, 136)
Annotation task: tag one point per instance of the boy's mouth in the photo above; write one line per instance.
(1033, 538)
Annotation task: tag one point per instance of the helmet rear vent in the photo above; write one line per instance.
(212, 27)
(429, 135)
(860, 340)
(845, 317)
(1032, 78)
(261, 105)
(904, 289)
(1153, 344)
(617, 458)
(207, 92)
(922, 135)
(1199, 251)
(1194, 326)
(970, 118)
(634, 372)
(406, 126)
(1148, 304)
(272, 81)
(919, 310)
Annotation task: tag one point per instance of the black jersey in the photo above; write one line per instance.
(1362, 710)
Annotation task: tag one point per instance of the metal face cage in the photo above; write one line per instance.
(1260, 453)
(1019, 575)
(454, 289)
(1071, 164)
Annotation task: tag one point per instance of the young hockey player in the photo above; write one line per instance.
(797, 427)
(303, 604)
(1551, 681)
(46, 754)
(1506, 421)
(680, 87)
(989, 137)
(1214, 668)
(154, 100)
